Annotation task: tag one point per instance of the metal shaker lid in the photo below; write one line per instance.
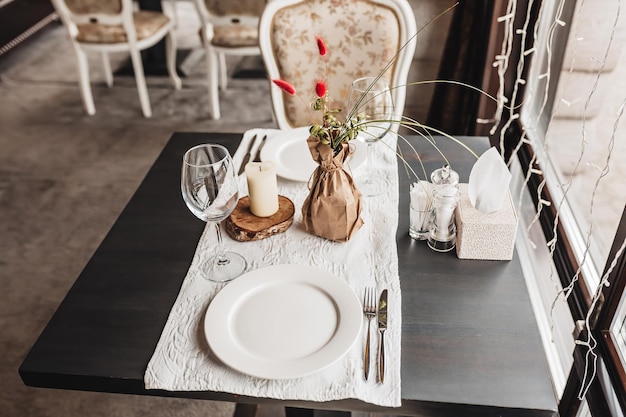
(444, 175)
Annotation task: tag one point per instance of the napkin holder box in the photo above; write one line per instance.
(485, 236)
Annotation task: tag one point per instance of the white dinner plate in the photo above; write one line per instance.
(290, 153)
(283, 321)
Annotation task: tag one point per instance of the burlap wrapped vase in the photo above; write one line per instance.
(332, 209)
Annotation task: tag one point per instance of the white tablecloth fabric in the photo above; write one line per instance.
(182, 360)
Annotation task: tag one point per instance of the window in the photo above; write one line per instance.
(568, 148)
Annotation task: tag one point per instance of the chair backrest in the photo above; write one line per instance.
(228, 12)
(362, 37)
(85, 7)
(86, 13)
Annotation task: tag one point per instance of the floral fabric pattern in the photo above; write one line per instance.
(361, 36)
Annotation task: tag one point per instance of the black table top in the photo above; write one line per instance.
(470, 343)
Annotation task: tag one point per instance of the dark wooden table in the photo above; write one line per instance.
(470, 344)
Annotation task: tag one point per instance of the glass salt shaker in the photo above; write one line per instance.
(442, 236)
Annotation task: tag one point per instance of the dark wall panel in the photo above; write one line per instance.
(21, 18)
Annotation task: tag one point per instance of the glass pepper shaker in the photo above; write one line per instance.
(442, 236)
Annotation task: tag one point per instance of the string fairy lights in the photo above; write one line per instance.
(544, 43)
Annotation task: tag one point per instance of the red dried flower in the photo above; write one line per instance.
(320, 89)
(285, 86)
(321, 46)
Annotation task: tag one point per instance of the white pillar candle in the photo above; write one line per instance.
(262, 188)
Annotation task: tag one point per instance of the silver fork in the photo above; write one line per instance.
(369, 309)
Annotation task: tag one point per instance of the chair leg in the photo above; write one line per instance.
(223, 73)
(106, 66)
(212, 66)
(170, 50)
(174, 12)
(141, 82)
(83, 77)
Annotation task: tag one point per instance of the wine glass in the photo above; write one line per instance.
(371, 97)
(210, 190)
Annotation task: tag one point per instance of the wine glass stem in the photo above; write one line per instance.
(221, 257)
(370, 171)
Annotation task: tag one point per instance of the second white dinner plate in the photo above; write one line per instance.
(283, 321)
(290, 153)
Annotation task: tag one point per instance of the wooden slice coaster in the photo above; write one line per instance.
(244, 226)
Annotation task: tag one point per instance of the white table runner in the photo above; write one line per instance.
(182, 360)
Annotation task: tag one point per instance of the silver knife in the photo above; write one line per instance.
(257, 157)
(246, 157)
(382, 326)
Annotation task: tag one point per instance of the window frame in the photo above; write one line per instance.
(613, 297)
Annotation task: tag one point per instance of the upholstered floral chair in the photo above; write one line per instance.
(361, 36)
(230, 27)
(114, 26)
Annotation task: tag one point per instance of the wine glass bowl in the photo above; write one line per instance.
(209, 187)
(370, 97)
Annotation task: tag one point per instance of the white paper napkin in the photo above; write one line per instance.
(488, 182)
(421, 195)
(182, 360)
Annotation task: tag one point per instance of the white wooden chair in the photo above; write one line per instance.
(361, 36)
(106, 26)
(230, 27)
